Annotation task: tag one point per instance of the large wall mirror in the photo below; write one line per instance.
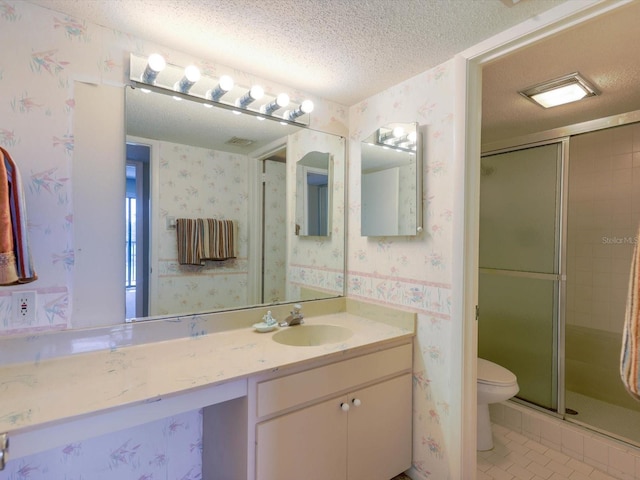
(391, 181)
(185, 161)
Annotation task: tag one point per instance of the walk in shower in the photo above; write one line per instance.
(558, 223)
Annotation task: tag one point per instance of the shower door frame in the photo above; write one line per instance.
(562, 185)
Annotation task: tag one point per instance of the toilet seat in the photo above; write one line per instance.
(490, 373)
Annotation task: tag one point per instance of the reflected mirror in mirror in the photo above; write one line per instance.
(188, 161)
(313, 195)
(391, 181)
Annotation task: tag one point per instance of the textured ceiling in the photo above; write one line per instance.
(340, 50)
(604, 50)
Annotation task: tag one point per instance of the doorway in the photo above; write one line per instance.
(137, 217)
(274, 216)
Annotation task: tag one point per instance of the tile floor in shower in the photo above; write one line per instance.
(623, 422)
(516, 457)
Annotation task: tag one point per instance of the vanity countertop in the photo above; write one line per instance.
(57, 389)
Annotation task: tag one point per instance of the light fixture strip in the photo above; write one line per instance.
(227, 106)
(161, 84)
(390, 140)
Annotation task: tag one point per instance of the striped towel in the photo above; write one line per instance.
(205, 239)
(189, 242)
(218, 239)
(630, 356)
(16, 263)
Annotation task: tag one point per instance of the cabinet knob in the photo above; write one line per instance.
(356, 402)
(344, 406)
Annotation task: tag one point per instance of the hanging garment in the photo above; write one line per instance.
(630, 356)
(16, 263)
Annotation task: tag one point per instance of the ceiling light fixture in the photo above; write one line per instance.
(155, 64)
(305, 107)
(559, 91)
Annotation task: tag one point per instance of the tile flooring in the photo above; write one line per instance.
(516, 457)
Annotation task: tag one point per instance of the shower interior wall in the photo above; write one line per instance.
(602, 228)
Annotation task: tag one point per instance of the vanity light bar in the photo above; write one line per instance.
(255, 93)
(191, 76)
(155, 65)
(281, 101)
(397, 138)
(225, 84)
(305, 107)
(190, 84)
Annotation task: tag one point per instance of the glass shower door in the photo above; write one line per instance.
(519, 279)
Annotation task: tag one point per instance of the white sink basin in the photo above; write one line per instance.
(312, 335)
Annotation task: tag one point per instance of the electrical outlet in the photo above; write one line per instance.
(24, 307)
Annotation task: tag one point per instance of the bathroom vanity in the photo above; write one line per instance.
(326, 409)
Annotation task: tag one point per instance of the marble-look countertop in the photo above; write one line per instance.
(61, 388)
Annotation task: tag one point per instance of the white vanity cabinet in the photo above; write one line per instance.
(349, 420)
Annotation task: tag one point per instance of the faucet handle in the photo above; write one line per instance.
(296, 308)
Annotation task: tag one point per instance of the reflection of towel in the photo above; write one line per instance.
(189, 245)
(218, 239)
(15, 254)
(204, 239)
(630, 356)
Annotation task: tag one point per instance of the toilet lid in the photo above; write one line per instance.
(492, 373)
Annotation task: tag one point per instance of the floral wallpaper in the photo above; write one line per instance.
(169, 448)
(414, 272)
(199, 183)
(274, 286)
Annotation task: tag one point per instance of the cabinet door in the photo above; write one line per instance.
(379, 432)
(309, 444)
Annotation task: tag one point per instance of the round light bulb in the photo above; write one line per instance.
(192, 73)
(226, 83)
(282, 100)
(256, 92)
(307, 106)
(398, 132)
(156, 62)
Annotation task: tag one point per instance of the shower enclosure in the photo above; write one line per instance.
(558, 223)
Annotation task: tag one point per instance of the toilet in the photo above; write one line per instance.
(495, 384)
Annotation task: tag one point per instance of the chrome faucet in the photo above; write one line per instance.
(296, 317)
